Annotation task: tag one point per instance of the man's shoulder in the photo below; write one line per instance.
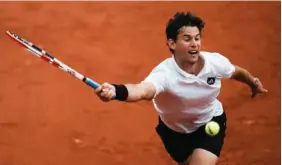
(213, 56)
(164, 65)
(159, 72)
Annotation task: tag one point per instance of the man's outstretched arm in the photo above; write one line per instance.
(126, 92)
(242, 75)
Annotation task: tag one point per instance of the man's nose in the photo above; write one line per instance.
(193, 44)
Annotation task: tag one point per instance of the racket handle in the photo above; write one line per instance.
(91, 83)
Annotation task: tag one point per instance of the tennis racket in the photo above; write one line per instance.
(35, 50)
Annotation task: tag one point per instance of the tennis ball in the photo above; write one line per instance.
(212, 128)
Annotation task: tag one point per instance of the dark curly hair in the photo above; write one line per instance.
(181, 19)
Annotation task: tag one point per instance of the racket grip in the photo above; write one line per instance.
(91, 83)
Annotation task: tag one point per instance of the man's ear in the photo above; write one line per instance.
(171, 44)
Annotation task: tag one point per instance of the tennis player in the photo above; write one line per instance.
(184, 90)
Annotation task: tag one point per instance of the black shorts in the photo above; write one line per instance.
(180, 145)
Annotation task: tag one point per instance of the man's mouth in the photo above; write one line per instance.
(193, 52)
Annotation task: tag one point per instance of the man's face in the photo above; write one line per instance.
(187, 45)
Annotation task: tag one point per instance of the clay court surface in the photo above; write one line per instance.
(49, 118)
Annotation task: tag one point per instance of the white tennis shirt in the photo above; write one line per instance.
(184, 101)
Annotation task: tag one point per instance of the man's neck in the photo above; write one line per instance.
(191, 68)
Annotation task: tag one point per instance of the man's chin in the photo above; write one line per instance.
(192, 59)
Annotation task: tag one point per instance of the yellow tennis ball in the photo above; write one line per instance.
(212, 128)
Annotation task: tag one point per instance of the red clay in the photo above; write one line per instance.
(49, 118)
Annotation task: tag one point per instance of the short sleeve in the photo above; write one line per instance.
(223, 67)
(158, 78)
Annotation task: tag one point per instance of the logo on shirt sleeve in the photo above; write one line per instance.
(211, 80)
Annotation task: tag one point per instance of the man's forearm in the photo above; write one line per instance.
(127, 92)
(134, 92)
(244, 76)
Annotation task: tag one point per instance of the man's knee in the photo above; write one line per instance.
(202, 157)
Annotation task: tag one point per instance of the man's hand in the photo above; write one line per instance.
(242, 75)
(106, 92)
(258, 88)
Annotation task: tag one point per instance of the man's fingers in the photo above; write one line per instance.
(107, 85)
(98, 90)
(103, 94)
(106, 92)
(112, 94)
(261, 90)
(105, 89)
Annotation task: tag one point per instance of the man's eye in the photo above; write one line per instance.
(187, 39)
